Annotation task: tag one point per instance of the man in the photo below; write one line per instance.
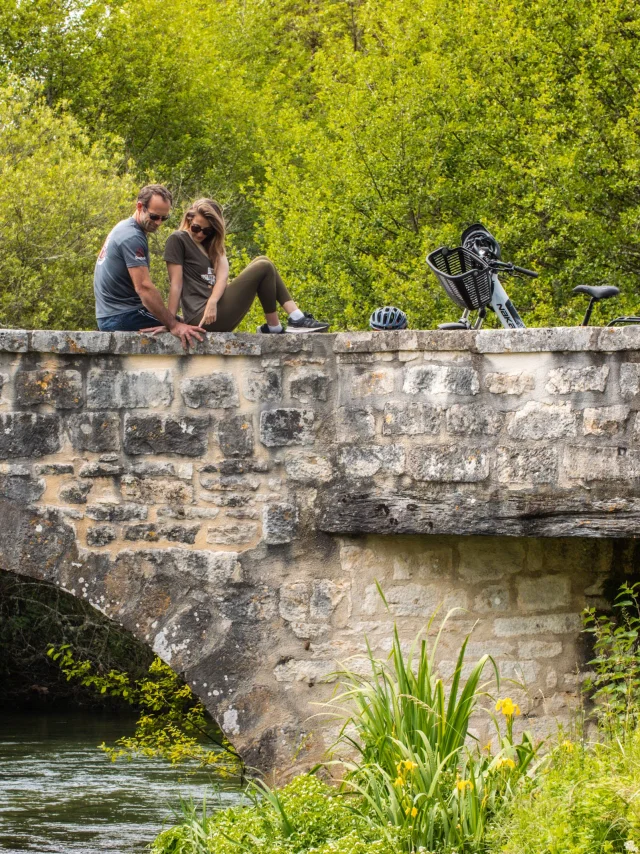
(126, 298)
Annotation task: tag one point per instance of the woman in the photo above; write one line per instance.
(199, 271)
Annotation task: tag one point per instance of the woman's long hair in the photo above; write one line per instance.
(212, 212)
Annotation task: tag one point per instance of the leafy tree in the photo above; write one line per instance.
(59, 196)
(172, 724)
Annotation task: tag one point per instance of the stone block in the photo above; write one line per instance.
(151, 533)
(231, 467)
(308, 468)
(589, 463)
(526, 465)
(448, 464)
(116, 512)
(294, 601)
(98, 469)
(481, 561)
(367, 383)
(539, 649)
(543, 421)
(514, 384)
(61, 389)
(71, 343)
(14, 341)
(21, 489)
(548, 593)
(366, 462)
(129, 389)
(235, 436)
(184, 471)
(492, 598)
(355, 423)
(230, 499)
(279, 523)
(94, 431)
(629, 379)
(26, 434)
(441, 379)
(416, 600)
(326, 595)
(46, 469)
(180, 511)
(101, 535)
(263, 385)
(471, 419)
(214, 391)
(410, 419)
(75, 492)
(156, 434)
(281, 427)
(237, 534)
(155, 491)
(308, 385)
(572, 380)
(309, 671)
(605, 420)
(230, 483)
(552, 624)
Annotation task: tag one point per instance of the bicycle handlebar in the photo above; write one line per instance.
(508, 267)
(523, 271)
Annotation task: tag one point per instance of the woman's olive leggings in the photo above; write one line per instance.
(259, 279)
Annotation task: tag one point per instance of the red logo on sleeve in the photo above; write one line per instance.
(140, 253)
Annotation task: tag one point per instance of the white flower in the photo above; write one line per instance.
(631, 846)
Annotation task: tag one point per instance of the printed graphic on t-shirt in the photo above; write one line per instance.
(209, 277)
(140, 253)
(103, 251)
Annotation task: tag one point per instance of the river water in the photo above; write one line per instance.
(58, 793)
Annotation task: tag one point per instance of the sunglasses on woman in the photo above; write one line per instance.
(209, 231)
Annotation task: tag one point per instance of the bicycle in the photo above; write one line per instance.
(469, 276)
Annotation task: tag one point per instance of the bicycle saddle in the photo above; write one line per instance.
(603, 292)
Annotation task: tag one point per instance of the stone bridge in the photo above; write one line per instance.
(234, 508)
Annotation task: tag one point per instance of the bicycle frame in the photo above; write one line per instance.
(503, 307)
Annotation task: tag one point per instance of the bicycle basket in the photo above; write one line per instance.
(464, 275)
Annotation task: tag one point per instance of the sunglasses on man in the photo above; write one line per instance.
(157, 217)
(209, 231)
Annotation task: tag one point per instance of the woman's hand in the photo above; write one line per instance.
(210, 314)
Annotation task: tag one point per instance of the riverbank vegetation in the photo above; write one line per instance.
(413, 782)
(345, 140)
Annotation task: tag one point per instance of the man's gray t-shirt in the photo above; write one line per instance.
(126, 246)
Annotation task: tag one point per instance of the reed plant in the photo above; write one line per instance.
(410, 755)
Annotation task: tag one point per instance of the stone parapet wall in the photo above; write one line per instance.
(233, 506)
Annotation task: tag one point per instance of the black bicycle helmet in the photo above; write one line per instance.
(388, 318)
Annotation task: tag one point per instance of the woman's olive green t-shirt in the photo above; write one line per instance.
(198, 277)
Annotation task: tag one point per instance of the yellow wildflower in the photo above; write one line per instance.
(487, 747)
(569, 746)
(463, 785)
(409, 765)
(507, 707)
(398, 781)
(414, 812)
(399, 767)
(505, 762)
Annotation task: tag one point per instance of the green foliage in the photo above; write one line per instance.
(586, 803)
(173, 724)
(305, 816)
(344, 139)
(615, 687)
(418, 779)
(59, 196)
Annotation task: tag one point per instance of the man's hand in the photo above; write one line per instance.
(185, 333)
(153, 330)
(210, 314)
